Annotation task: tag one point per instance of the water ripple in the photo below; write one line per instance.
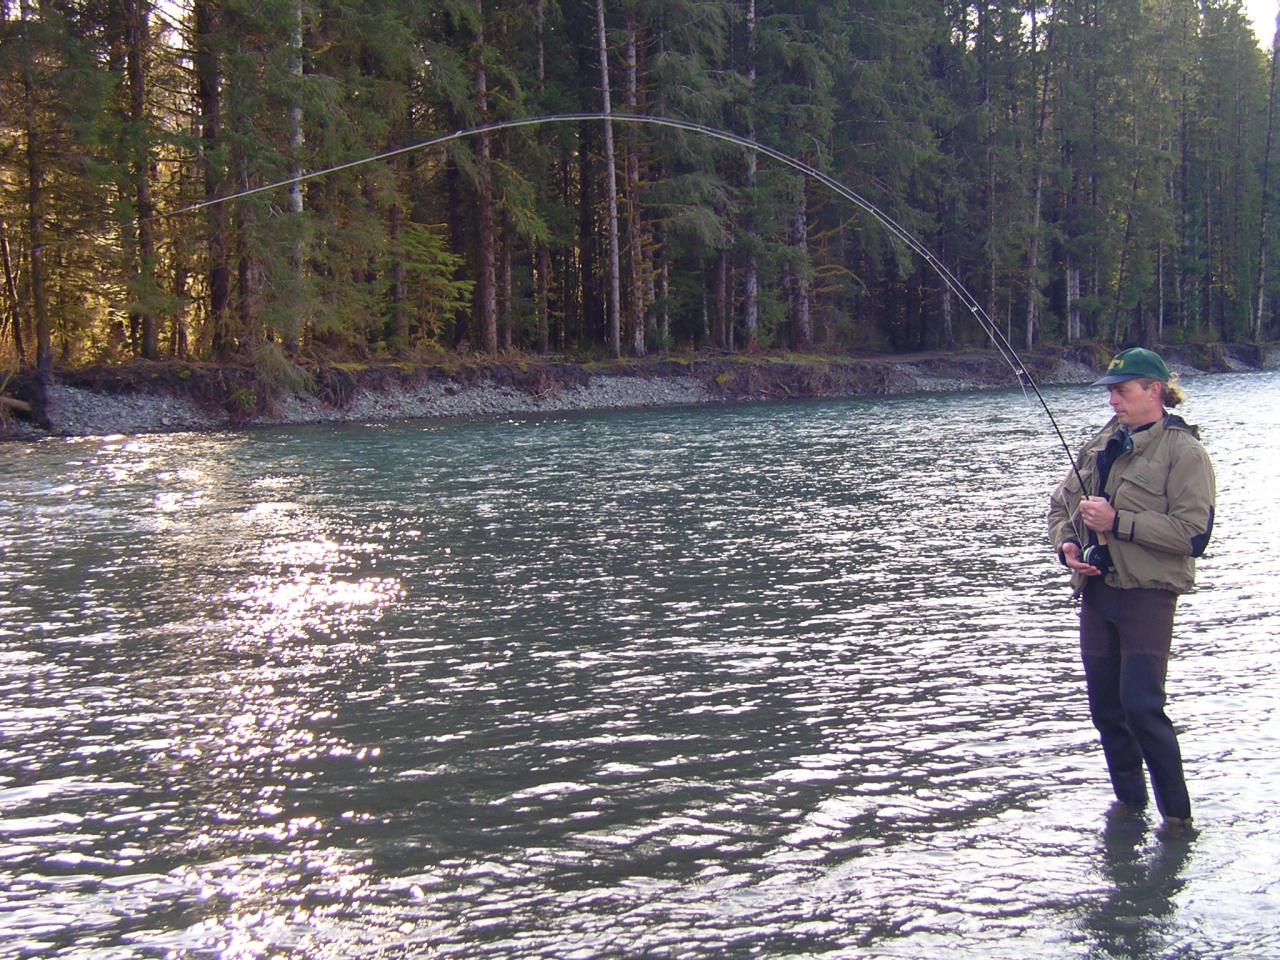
(768, 680)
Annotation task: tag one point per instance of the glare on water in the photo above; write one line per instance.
(774, 680)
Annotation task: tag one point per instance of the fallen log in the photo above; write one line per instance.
(14, 404)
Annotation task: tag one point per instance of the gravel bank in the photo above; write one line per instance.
(141, 405)
(436, 399)
(78, 412)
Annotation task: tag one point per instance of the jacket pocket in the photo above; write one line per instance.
(1143, 488)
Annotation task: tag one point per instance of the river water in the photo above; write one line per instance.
(774, 680)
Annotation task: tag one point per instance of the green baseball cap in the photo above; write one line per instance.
(1136, 363)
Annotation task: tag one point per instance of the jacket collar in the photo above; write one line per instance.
(1147, 436)
(1144, 438)
(1174, 422)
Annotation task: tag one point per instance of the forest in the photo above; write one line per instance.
(1091, 170)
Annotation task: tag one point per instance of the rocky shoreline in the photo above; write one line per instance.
(157, 398)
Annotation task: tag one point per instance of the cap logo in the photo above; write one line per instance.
(1116, 364)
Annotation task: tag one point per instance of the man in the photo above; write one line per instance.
(1130, 539)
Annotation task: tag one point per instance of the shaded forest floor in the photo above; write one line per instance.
(140, 397)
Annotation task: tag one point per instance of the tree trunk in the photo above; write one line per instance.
(989, 148)
(591, 315)
(506, 318)
(948, 319)
(1261, 304)
(650, 304)
(751, 270)
(399, 314)
(611, 183)
(664, 292)
(635, 231)
(1206, 278)
(137, 41)
(801, 300)
(706, 318)
(1075, 327)
(730, 338)
(721, 315)
(246, 225)
(11, 291)
(543, 294)
(1182, 182)
(1033, 263)
(248, 286)
(1159, 337)
(1041, 123)
(1124, 251)
(541, 20)
(1149, 318)
(178, 344)
(486, 279)
(180, 244)
(35, 206)
(542, 254)
(209, 97)
(297, 259)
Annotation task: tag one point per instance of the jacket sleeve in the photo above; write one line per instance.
(1184, 529)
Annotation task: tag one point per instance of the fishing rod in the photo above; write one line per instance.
(989, 327)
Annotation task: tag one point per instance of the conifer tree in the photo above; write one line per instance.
(1091, 168)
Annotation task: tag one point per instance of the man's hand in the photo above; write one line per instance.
(1071, 554)
(1098, 514)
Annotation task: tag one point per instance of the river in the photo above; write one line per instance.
(771, 680)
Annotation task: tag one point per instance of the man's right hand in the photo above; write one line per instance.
(1071, 554)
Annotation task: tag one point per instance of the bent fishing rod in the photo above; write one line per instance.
(989, 327)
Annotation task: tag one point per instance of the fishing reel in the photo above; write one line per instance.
(1097, 555)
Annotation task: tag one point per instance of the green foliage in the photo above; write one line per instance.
(242, 402)
(433, 268)
(276, 374)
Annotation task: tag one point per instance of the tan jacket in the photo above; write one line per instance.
(1163, 491)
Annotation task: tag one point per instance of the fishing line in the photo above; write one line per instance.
(989, 327)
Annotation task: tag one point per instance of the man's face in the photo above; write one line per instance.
(1134, 404)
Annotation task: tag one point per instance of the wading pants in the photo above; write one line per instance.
(1124, 643)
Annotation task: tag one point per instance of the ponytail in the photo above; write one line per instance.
(1171, 393)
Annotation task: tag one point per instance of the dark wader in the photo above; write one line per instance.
(1124, 643)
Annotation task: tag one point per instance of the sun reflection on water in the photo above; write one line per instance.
(690, 683)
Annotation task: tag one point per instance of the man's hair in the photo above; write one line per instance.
(1171, 393)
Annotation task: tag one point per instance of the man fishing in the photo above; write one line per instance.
(1130, 538)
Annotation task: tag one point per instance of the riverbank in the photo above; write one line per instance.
(169, 397)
